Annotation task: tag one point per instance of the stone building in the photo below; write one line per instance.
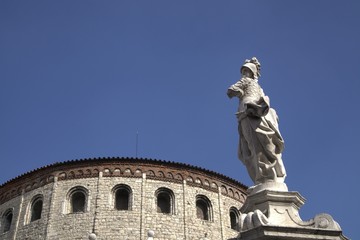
(120, 198)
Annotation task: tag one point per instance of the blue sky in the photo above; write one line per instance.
(79, 79)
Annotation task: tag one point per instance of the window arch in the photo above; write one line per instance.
(165, 201)
(77, 200)
(7, 220)
(234, 218)
(123, 197)
(36, 208)
(203, 208)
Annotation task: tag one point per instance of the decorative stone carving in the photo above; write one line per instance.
(252, 220)
(151, 235)
(260, 144)
(270, 210)
(276, 213)
(121, 167)
(92, 236)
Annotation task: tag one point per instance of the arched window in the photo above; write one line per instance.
(122, 194)
(78, 202)
(6, 220)
(165, 201)
(36, 208)
(77, 198)
(234, 218)
(203, 208)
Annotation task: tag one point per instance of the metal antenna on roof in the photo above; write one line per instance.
(136, 146)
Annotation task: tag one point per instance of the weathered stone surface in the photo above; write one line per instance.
(270, 210)
(260, 143)
(290, 233)
(102, 221)
(275, 215)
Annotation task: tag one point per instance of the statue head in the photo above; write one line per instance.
(246, 71)
(252, 66)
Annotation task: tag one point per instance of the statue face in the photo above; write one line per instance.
(246, 72)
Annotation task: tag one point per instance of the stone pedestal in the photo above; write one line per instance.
(270, 214)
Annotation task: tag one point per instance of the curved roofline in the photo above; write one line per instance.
(129, 159)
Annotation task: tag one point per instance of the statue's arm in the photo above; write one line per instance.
(235, 90)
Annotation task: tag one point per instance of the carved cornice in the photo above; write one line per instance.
(124, 167)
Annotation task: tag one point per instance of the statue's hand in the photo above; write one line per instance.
(232, 93)
(266, 167)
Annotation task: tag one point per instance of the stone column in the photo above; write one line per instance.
(97, 199)
(184, 209)
(142, 210)
(220, 213)
(51, 207)
(19, 214)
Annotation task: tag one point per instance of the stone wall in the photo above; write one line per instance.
(98, 179)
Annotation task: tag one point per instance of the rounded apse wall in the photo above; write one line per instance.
(120, 198)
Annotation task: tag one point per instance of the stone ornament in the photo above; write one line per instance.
(270, 211)
(151, 235)
(260, 144)
(92, 236)
(277, 213)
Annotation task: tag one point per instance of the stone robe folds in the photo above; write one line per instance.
(260, 144)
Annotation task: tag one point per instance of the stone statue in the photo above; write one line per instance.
(269, 209)
(260, 144)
